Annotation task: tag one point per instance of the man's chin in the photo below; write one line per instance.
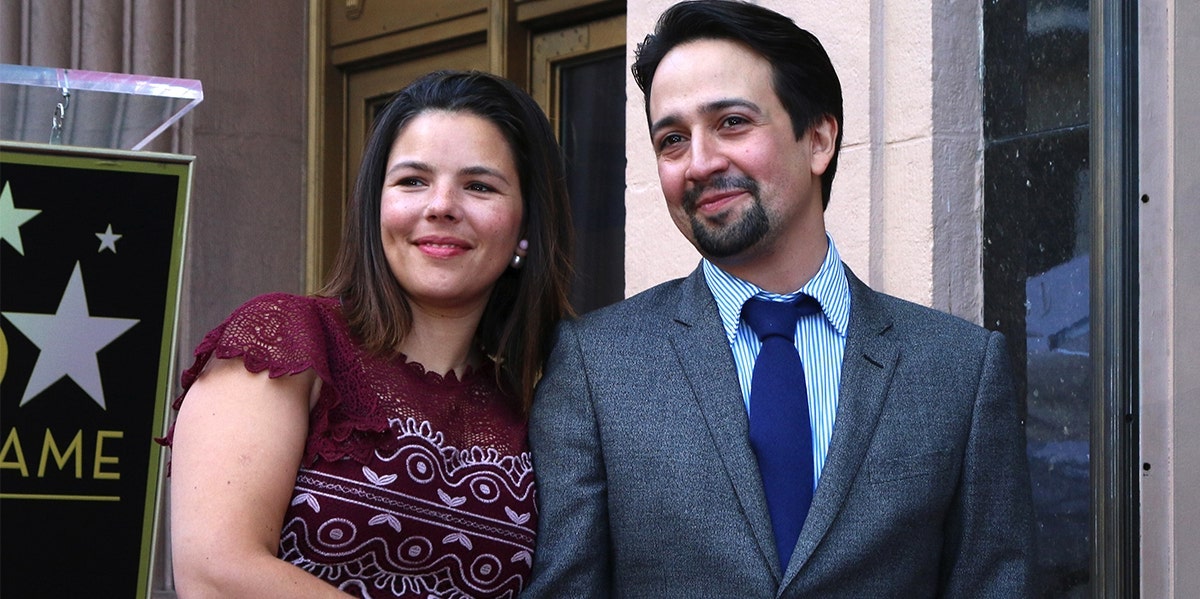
(726, 240)
(718, 248)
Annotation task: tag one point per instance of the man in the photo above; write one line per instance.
(657, 477)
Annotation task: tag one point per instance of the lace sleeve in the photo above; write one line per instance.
(277, 332)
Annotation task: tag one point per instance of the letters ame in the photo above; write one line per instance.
(12, 455)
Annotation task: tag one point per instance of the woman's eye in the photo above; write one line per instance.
(480, 187)
(409, 182)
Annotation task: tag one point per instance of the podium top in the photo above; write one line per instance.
(91, 108)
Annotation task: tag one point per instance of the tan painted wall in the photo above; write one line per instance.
(1169, 136)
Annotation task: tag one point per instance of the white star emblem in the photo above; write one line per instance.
(108, 240)
(69, 340)
(11, 219)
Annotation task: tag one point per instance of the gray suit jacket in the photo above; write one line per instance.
(648, 487)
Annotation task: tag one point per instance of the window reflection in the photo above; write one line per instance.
(1037, 235)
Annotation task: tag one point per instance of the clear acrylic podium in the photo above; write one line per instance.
(90, 108)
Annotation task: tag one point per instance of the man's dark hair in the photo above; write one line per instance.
(804, 78)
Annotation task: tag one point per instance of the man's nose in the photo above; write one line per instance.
(707, 159)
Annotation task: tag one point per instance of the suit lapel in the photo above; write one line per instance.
(702, 350)
(867, 367)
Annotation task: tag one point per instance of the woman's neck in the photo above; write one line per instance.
(443, 341)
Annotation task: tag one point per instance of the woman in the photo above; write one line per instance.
(374, 435)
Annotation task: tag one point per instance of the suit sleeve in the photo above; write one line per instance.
(989, 548)
(573, 553)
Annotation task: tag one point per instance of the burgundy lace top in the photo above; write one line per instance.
(412, 484)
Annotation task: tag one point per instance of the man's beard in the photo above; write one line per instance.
(727, 238)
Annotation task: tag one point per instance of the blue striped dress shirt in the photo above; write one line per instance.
(820, 339)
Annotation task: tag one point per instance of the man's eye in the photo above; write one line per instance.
(670, 140)
(733, 121)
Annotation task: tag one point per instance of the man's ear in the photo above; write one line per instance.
(823, 137)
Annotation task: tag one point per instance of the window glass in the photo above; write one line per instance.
(1037, 236)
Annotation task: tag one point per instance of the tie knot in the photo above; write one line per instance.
(767, 318)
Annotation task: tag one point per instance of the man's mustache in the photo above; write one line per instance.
(719, 183)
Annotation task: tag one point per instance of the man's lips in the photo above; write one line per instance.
(716, 202)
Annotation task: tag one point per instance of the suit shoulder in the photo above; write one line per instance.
(636, 308)
(931, 340)
(911, 317)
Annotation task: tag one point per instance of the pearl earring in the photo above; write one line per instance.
(518, 259)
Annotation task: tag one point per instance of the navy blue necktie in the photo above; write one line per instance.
(780, 432)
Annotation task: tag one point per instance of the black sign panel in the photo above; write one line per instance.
(90, 257)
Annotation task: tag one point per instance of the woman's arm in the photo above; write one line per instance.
(238, 442)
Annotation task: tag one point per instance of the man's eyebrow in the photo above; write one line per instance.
(667, 121)
(720, 105)
(715, 106)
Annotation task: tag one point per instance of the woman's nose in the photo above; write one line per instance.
(443, 203)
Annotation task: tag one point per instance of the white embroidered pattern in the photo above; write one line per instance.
(433, 520)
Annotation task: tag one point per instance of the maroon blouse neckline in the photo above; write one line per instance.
(470, 375)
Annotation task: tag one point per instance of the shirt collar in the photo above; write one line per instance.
(829, 287)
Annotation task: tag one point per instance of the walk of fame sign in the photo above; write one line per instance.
(90, 256)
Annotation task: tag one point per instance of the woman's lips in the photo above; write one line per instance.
(442, 247)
